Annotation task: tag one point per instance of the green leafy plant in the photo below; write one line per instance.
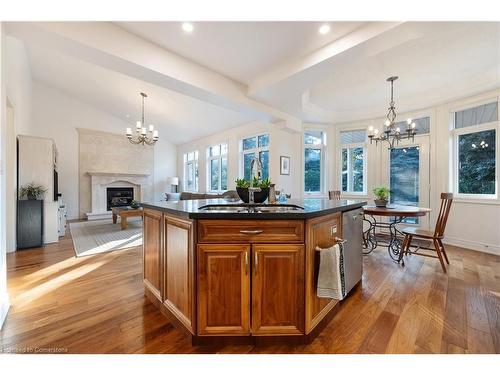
(32, 191)
(134, 204)
(265, 183)
(242, 183)
(381, 192)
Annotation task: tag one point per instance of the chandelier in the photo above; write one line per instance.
(142, 133)
(392, 133)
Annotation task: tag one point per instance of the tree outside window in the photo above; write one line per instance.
(314, 144)
(191, 171)
(353, 161)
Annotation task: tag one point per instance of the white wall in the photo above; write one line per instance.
(4, 297)
(18, 91)
(281, 143)
(57, 116)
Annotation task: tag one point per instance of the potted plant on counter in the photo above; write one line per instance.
(242, 186)
(381, 196)
(32, 191)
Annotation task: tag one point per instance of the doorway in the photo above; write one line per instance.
(406, 170)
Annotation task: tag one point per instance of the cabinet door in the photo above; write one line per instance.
(278, 289)
(152, 240)
(178, 269)
(223, 289)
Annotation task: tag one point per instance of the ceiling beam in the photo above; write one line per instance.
(109, 46)
(296, 68)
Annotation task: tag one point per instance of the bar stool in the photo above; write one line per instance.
(334, 195)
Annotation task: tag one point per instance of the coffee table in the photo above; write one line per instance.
(125, 213)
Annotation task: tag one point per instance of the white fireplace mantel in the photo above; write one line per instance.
(100, 181)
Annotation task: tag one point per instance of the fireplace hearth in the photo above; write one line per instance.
(118, 197)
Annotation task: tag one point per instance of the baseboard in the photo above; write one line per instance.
(4, 308)
(473, 245)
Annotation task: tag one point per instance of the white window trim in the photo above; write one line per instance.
(322, 165)
(255, 151)
(454, 134)
(365, 168)
(219, 157)
(195, 163)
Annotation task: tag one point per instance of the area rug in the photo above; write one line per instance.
(100, 236)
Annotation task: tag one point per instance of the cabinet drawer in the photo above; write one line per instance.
(251, 231)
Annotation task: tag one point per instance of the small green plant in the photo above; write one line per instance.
(265, 183)
(381, 192)
(32, 191)
(134, 204)
(242, 183)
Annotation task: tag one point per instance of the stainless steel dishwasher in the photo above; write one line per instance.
(352, 232)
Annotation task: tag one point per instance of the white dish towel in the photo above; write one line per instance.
(331, 282)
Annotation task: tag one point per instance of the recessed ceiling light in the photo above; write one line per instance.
(324, 29)
(127, 115)
(187, 27)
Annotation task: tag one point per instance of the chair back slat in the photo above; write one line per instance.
(334, 194)
(444, 211)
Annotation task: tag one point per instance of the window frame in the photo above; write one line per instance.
(255, 151)
(322, 166)
(455, 134)
(195, 163)
(348, 147)
(219, 157)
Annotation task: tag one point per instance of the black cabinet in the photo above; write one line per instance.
(29, 223)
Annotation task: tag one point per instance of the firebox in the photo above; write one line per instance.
(119, 197)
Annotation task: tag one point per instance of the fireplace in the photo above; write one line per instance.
(118, 197)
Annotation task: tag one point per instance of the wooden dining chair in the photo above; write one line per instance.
(334, 195)
(436, 237)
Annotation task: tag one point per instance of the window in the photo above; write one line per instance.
(353, 161)
(314, 144)
(217, 168)
(475, 138)
(257, 146)
(405, 178)
(423, 125)
(191, 171)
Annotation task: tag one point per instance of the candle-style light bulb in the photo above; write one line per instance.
(138, 125)
(408, 121)
(387, 123)
(144, 131)
(370, 129)
(151, 128)
(398, 129)
(129, 131)
(413, 125)
(155, 134)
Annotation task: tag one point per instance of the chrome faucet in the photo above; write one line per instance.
(258, 173)
(259, 168)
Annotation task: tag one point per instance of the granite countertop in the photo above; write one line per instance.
(313, 207)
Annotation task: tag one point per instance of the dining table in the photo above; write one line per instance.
(372, 236)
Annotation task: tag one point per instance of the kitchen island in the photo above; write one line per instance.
(225, 269)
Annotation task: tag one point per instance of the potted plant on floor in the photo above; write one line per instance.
(381, 196)
(32, 191)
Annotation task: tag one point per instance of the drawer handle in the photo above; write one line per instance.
(249, 231)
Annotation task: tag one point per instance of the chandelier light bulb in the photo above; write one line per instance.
(413, 125)
(138, 125)
(151, 128)
(408, 121)
(387, 123)
(129, 131)
(370, 129)
(375, 131)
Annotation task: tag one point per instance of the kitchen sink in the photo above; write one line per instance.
(251, 208)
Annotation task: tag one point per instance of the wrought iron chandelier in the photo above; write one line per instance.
(392, 133)
(142, 133)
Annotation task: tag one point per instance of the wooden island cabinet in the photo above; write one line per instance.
(242, 277)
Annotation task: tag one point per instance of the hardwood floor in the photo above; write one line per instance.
(96, 304)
